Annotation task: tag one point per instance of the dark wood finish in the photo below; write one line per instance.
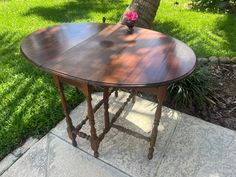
(81, 124)
(83, 135)
(134, 93)
(93, 139)
(116, 93)
(114, 118)
(86, 55)
(70, 127)
(95, 108)
(106, 107)
(161, 92)
(106, 55)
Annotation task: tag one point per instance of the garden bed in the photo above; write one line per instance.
(222, 104)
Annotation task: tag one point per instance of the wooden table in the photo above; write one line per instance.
(92, 54)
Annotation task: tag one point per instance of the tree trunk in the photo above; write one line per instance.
(146, 10)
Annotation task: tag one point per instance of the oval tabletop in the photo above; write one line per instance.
(107, 55)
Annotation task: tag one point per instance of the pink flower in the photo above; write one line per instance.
(131, 16)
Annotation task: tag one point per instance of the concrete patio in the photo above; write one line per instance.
(186, 146)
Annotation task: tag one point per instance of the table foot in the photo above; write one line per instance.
(74, 143)
(161, 92)
(94, 139)
(94, 145)
(72, 136)
(96, 154)
(153, 139)
(150, 154)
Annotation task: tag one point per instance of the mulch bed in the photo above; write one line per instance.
(222, 104)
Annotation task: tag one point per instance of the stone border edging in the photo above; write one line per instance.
(217, 60)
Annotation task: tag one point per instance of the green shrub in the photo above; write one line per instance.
(225, 6)
(191, 93)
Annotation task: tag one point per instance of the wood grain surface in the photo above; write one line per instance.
(107, 55)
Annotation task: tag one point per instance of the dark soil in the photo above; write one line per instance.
(221, 105)
(221, 108)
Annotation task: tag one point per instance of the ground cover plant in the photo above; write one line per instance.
(222, 6)
(29, 101)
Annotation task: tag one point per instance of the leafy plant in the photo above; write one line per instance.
(191, 92)
(226, 6)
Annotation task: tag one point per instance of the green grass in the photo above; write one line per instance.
(208, 34)
(29, 101)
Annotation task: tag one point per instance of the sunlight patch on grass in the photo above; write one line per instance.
(207, 33)
(30, 103)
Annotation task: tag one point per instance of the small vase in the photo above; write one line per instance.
(130, 25)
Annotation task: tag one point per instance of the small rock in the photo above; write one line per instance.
(225, 60)
(233, 60)
(203, 60)
(213, 59)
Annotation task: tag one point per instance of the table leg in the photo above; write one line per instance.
(106, 107)
(160, 95)
(134, 92)
(116, 93)
(70, 127)
(93, 139)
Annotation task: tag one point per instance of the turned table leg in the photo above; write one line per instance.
(160, 95)
(93, 139)
(106, 107)
(134, 92)
(116, 93)
(70, 127)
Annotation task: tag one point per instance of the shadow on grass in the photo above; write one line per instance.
(207, 45)
(30, 103)
(219, 7)
(227, 24)
(80, 9)
(176, 31)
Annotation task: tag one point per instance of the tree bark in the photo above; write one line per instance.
(146, 10)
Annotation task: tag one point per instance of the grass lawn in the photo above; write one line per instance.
(208, 34)
(29, 101)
